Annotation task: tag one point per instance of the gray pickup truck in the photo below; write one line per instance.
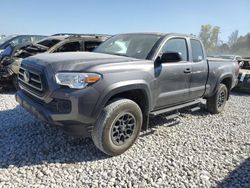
(110, 94)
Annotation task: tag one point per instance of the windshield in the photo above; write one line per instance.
(5, 39)
(48, 42)
(131, 45)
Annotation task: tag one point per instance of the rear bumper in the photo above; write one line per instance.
(69, 122)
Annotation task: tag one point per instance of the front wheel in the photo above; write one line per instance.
(217, 102)
(118, 127)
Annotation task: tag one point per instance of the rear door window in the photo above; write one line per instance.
(90, 46)
(49, 42)
(197, 51)
(69, 47)
(178, 45)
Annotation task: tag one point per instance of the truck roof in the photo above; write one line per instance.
(161, 34)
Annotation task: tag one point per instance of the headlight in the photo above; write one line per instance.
(76, 80)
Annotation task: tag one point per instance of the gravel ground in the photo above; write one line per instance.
(195, 150)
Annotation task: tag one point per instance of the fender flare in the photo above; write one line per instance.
(222, 77)
(120, 87)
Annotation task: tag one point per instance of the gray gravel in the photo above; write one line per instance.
(195, 150)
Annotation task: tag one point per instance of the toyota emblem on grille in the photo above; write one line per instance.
(26, 76)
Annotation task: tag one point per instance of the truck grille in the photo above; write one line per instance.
(31, 81)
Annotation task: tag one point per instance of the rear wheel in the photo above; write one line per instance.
(118, 127)
(217, 102)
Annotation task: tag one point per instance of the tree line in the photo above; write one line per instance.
(236, 44)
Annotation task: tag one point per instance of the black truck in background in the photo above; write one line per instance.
(110, 94)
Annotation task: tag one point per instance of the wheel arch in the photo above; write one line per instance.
(137, 91)
(226, 80)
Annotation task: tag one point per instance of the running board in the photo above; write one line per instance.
(195, 109)
(171, 109)
(172, 116)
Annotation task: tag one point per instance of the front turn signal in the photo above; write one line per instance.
(92, 79)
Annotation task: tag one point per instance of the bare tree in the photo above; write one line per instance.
(210, 36)
(232, 39)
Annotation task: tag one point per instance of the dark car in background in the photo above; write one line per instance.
(14, 54)
(5, 59)
(19, 39)
(8, 52)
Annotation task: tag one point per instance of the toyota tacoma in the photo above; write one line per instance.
(109, 94)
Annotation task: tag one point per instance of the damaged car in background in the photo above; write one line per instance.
(6, 71)
(244, 75)
(10, 59)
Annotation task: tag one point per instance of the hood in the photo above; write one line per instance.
(73, 61)
(29, 50)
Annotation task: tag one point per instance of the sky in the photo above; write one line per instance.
(48, 17)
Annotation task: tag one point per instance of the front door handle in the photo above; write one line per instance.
(187, 71)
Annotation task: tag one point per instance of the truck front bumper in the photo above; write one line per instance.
(72, 123)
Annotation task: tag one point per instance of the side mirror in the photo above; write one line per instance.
(170, 57)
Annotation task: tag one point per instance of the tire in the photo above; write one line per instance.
(216, 103)
(109, 133)
(15, 82)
